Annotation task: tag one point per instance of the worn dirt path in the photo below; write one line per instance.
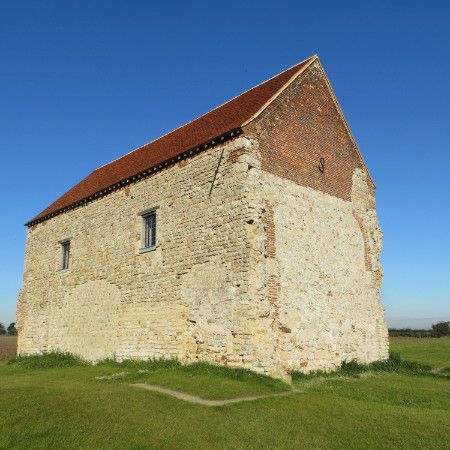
(206, 402)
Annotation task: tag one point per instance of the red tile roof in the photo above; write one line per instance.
(221, 120)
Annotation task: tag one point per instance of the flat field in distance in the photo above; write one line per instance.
(431, 351)
(8, 346)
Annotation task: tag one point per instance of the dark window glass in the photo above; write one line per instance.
(65, 248)
(149, 229)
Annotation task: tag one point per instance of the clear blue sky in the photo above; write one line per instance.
(84, 82)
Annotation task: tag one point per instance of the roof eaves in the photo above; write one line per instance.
(143, 174)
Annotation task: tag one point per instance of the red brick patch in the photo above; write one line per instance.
(269, 226)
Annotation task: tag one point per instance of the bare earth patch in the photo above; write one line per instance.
(206, 402)
(8, 347)
(119, 375)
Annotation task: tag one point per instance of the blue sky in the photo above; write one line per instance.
(84, 82)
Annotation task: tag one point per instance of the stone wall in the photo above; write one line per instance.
(318, 242)
(274, 269)
(180, 300)
(322, 299)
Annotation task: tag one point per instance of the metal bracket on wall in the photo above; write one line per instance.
(215, 173)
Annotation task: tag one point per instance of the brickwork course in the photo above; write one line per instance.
(267, 243)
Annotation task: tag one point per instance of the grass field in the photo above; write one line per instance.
(432, 351)
(66, 407)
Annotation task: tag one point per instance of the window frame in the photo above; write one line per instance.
(145, 245)
(65, 255)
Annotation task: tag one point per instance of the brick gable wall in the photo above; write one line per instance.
(319, 253)
(300, 127)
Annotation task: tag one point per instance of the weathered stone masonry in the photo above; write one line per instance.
(276, 268)
(322, 235)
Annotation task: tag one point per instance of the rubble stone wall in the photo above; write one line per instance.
(318, 246)
(267, 254)
(184, 299)
(322, 298)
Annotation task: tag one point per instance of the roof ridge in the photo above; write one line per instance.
(301, 69)
(284, 86)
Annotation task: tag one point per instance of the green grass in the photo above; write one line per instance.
(394, 364)
(205, 380)
(47, 361)
(214, 382)
(431, 351)
(390, 389)
(64, 407)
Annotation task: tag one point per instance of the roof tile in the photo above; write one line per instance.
(229, 116)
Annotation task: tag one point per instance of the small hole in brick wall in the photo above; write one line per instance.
(322, 164)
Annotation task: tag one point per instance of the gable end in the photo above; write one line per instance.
(304, 137)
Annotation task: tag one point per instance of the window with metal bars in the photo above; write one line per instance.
(149, 230)
(65, 252)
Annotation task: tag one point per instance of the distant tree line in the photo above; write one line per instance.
(439, 329)
(10, 331)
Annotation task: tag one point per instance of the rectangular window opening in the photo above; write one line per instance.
(149, 230)
(65, 252)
